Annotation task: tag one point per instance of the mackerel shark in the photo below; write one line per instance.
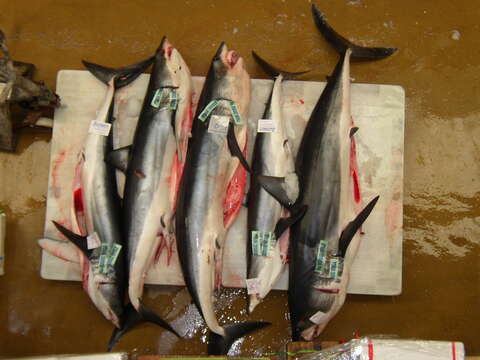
(273, 191)
(325, 241)
(212, 189)
(154, 164)
(96, 230)
(100, 247)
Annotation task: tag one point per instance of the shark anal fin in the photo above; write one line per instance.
(119, 158)
(79, 240)
(353, 226)
(235, 148)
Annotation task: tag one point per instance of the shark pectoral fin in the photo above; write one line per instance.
(122, 76)
(78, 240)
(353, 226)
(275, 186)
(131, 318)
(60, 249)
(284, 223)
(353, 130)
(341, 44)
(219, 345)
(235, 148)
(119, 158)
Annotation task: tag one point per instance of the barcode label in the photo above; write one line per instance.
(99, 128)
(93, 241)
(266, 126)
(218, 124)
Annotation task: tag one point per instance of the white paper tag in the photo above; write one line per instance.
(266, 126)
(218, 124)
(253, 286)
(99, 128)
(93, 241)
(318, 318)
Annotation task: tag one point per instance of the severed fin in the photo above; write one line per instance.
(219, 345)
(119, 158)
(24, 69)
(122, 76)
(284, 223)
(235, 148)
(341, 44)
(275, 186)
(61, 249)
(353, 226)
(131, 318)
(273, 71)
(79, 240)
(353, 130)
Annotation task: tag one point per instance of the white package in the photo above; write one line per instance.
(368, 348)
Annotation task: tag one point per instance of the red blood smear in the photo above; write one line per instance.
(301, 101)
(354, 171)
(170, 250)
(370, 350)
(329, 291)
(78, 201)
(56, 166)
(232, 58)
(160, 247)
(174, 180)
(234, 196)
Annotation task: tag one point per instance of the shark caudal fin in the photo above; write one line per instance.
(219, 345)
(131, 318)
(274, 71)
(341, 44)
(122, 76)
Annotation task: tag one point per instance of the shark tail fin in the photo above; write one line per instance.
(219, 345)
(341, 44)
(132, 318)
(122, 76)
(274, 71)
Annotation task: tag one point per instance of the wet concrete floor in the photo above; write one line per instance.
(437, 64)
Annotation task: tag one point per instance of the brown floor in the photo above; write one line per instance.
(442, 199)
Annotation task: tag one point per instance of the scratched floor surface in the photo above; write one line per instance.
(438, 65)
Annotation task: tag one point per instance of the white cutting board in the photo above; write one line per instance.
(378, 111)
